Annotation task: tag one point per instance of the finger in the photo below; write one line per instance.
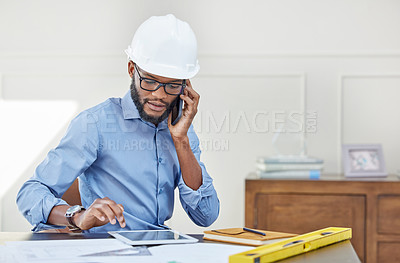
(187, 99)
(122, 209)
(118, 213)
(193, 95)
(104, 208)
(190, 105)
(111, 210)
(118, 209)
(188, 92)
(192, 92)
(188, 83)
(94, 209)
(98, 214)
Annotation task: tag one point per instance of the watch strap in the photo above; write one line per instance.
(72, 226)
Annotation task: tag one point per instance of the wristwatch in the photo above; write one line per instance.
(69, 215)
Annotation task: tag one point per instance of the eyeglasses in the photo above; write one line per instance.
(153, 85)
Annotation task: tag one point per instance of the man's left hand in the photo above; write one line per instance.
(191, 101)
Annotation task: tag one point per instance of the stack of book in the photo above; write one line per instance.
(289, 167)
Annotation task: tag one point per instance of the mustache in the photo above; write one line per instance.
(166, 104)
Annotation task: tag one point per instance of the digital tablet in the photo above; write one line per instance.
(152, 237)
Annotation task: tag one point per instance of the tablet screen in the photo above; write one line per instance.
(151, 235)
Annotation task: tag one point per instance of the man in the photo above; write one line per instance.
(127, 154)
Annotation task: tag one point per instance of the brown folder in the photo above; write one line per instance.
(239, 236)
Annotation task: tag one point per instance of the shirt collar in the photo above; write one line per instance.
(130, 111)
(128, 107)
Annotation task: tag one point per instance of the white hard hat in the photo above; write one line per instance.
(165, 46)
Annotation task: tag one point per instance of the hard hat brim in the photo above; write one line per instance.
(165, 70)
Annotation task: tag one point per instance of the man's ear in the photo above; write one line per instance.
(131, 68)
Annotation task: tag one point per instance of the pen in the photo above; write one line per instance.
(253, 231)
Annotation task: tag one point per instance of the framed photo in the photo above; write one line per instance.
(363, 160)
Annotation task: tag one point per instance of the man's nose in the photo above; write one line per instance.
(160, 93)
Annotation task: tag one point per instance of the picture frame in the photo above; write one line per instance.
(363, 160)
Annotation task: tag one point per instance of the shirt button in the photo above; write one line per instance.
(160, 191)
(160, 160)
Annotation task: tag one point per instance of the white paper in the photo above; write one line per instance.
(78, 250)
(196, 253)
(73, 251)
(7, 255)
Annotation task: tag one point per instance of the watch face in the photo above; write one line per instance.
(74, 209)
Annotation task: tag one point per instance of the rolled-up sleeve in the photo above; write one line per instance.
(202, 205)
(77, 150)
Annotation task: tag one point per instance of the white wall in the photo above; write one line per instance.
(340, 59)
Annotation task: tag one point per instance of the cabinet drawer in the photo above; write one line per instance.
(389, 214)
(302, 213)
(388, 252)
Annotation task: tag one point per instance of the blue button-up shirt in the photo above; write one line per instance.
(118, 155)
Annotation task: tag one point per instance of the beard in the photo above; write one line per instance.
(137, 100)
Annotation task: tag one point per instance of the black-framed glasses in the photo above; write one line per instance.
(153, 85)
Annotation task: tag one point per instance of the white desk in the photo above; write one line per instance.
(341, 252)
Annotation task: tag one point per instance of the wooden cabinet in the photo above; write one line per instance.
(370, 207)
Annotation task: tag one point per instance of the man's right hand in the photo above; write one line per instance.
(100, 212)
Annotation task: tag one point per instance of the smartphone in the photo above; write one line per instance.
(177, 109)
